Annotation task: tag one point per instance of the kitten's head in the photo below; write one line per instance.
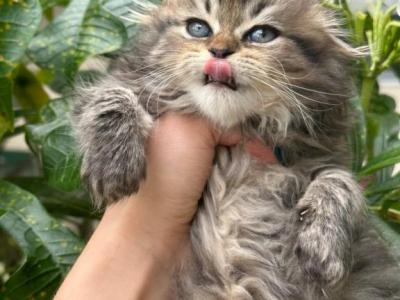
(236, 59)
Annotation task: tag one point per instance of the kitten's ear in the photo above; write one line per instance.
(346, 49)
(140, 11)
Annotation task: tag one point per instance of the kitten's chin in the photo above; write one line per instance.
(224, 106)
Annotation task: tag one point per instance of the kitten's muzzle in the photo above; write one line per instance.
(219, 71)
(231, 83)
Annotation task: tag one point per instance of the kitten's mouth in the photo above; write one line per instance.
(219, 72)
(229, 82)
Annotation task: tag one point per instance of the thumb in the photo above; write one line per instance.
(230, 138)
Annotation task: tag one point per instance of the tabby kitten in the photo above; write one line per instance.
(277, 68)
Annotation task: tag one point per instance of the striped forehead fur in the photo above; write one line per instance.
(141, 9)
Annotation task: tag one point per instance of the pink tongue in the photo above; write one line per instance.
(218, 69)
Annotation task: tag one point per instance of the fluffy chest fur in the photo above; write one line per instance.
(244, 241)
(242, 232)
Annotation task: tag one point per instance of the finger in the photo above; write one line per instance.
(230, 138)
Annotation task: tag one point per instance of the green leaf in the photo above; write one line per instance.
(6, 111)
(19, 21)
(384, 160)
(394, 24)
(51, 3)
(390, 207)
(10, 256)
(28, 90)
(396, 69)
(373, 128)
(49, 248)
(382, 104)
(59, 203)
(383, 187)
(388, 125)
(358, 135)
(383, 127)
(393, 211)
(52, 141)
(82, 30)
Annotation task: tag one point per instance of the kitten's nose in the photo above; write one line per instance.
(221, 53)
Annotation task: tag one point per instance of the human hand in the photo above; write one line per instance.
(180, 153)
(132, 253)
(180, 156)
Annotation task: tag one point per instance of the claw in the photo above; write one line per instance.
(302, 214)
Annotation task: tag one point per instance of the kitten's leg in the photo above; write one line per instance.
(112, 129)
(328, 214)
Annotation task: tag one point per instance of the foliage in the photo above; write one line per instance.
(49, 248)
(375, 137)
(34, 211)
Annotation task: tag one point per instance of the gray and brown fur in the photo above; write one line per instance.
(294, 231)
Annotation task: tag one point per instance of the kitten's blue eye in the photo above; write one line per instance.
(198, 28)
(262, 34)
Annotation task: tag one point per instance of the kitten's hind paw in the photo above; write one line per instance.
(327, 271)
(323, 253)
(112, 129)
(327, 217)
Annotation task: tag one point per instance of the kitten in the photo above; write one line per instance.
(278, 69)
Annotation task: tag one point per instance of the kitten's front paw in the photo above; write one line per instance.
(112, 130)
(322, 249)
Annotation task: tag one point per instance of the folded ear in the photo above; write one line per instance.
(140, 11)
(338, 37)
(347, 50)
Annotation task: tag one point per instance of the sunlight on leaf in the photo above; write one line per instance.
(75, 203)
(82, 30)
(49, 248)
(19, 21)
(386, 159)
(52, 141)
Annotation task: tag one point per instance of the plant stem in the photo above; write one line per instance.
(367, 90)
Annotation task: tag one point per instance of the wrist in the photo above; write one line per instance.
(167, 210)
(147, 228)
(125, 257)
